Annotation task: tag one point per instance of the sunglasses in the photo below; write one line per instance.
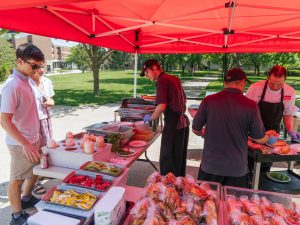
(35, 66)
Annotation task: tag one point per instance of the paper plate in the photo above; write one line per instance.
(269, 175)
(137, 143)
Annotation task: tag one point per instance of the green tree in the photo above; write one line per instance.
(258, 60)
(7, 58)
(90, 56)
(284, 59)
(98, 56)
(225, 61)
(80, 57)
(120, 60)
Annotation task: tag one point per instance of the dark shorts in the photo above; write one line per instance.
(225, 180)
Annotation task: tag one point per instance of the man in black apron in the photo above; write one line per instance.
(170, 100)
(275, 96)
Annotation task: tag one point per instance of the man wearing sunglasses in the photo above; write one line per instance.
(20, 120)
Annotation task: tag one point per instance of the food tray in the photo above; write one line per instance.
(119, 168)
(286, 200)
(136, 110)
(107, 129)
(214, 186)
(91, 175)
(46, 197)
(135, 101)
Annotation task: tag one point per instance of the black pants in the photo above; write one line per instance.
(224, 180)
(173, 150)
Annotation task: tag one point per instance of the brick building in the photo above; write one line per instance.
(55, 50)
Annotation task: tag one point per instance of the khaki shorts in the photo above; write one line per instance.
(20, 166)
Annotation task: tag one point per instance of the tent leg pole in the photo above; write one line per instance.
(135, 74)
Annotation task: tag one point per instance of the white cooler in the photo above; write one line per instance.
(75, 158)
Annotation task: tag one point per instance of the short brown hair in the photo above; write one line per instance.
(28, 51)
(148, 64)
(278, 71)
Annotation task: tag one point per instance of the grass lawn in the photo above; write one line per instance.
(77, 89)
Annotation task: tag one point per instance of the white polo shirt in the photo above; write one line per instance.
(289, 94)
(48, 92)
(18, 99)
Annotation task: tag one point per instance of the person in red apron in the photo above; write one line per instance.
(170, 100)
(276, 101)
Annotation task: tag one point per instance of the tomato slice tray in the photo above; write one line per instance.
(90, 180)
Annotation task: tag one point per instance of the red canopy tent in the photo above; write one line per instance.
(162, 26)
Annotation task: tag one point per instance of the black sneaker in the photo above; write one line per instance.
(31, 203)
(21, 220)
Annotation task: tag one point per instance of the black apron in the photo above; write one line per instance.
(271, 113)
(173, 150)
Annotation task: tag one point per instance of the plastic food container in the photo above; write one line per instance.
(285, 200)
(107, 129)
(141, 126)
(145, 135)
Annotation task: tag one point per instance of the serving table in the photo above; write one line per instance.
(126, 161)
(58, 169)
(258, 158)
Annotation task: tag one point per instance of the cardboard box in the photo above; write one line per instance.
(111, 208)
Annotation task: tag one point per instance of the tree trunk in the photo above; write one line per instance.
(182, 69)
(96, 81)
(225, 63)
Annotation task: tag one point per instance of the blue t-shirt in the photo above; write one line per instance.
(229, 118)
